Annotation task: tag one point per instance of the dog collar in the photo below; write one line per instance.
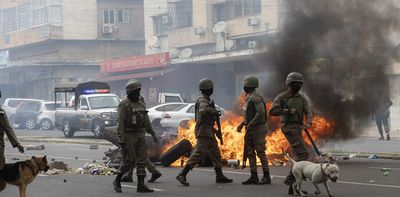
(322, 170)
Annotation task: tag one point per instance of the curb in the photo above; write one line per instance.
(393, 156)
(65, 140)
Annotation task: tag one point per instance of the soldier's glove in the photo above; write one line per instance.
(240, 127)
(155, 140)
(20, 148)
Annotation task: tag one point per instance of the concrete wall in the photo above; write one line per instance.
(79, 19)
(153, 8)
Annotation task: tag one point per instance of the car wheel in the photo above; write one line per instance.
(16, 125)
(184, 147)
(67, 129)
(98, 129)
(30, 124)
(46, 124)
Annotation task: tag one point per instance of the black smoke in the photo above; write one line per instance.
(344, 49)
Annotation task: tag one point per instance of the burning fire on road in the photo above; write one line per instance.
(234, 141)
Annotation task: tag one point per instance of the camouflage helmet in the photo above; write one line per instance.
(132, 85)
(205, 84)
(294, 77)
(250, 82)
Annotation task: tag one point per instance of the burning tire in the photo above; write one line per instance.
(177, 151)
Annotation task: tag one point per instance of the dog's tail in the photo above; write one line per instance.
(288, 156)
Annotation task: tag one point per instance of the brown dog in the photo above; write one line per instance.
(22, 173)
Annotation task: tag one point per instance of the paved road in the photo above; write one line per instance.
(360, 177)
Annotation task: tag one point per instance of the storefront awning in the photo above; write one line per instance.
(135, 75)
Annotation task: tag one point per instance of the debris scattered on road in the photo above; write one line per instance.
(65, 180)
(96, 169)
(233, 163)
(56, 171)
(351, 156)
(372, 181)
(373, 156)
(345, 158)
(59, 165)
(32, 147)
(94, 147)
(15, 159)
(76, 157)
(386, 173)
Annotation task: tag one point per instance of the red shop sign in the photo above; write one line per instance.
(134, 63)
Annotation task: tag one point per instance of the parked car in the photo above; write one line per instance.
(156, 112)
(26, 115)
(10, 105)
(174, 118)
(46, 116)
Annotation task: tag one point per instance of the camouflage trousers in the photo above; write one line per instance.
(293, 134)
(206, 146)
(135, 144)
(255, 147)
(150, 167)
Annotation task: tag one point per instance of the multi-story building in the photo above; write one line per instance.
(219, 39)
(48, 42)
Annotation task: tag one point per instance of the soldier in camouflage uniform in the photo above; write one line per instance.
(205, 116)
(133, 123)
(6, 128)
(255, 121)
(291, 106)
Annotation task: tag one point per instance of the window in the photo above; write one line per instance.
(52, 106)
(55, 12)
(238, 4)
(109, 17)
(23, 15)
(181, 13)
(83, 103)
(14, 103)
(171, 107)
(29, 106)
(191, 110)
(102, 102)
(39, 12)
(219, 13)
(123, 16)
(161, 24)
(1, 22)
(252, 7)
(172, 99)
(10, 20)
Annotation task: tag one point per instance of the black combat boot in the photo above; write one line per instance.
(388, 137)
(141, 187)
(266, 180)
(289, 179)
(220, 177)
(182, 176)
(117, 183)
(252, 180)
(127, 177)
(154, 176)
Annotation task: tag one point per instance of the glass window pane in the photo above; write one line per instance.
(55, 14)
(257, 6)
(112, 16)
(120, 17)
(106, 19)
(125, 16)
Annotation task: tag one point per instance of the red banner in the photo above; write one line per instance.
(134, 63)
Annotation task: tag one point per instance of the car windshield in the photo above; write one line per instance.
(52, 106)
(172, 99)
(100, 102)
(29, 106)
(14, 103)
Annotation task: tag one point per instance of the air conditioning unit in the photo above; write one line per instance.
(253, 21)
(199, 31)
(107, 29)
(252, 44)
(165, 20)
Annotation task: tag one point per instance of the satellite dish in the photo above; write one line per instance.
(186, 53)
(219, 27)
(153, 42)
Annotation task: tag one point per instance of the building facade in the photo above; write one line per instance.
(48, 42)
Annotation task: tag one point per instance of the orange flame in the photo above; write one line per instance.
(234, 141)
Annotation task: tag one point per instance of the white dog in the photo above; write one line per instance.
(317, 173)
